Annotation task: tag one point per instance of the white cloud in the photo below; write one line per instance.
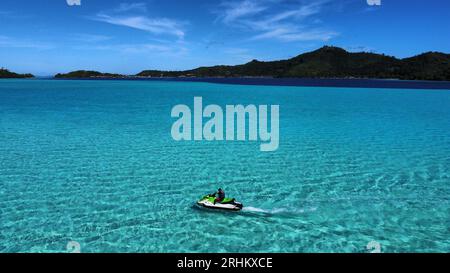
(297, 35)
(171, 50)
(153, 25)
(123, 7)
(90, 38)
(359, 48)
(10, 42)
(278, 19)
(73, 2)
(299, 13)
(161, 47)
(121, 16)
(237, 10)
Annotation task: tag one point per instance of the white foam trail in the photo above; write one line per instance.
(278, 210)
(252, 209)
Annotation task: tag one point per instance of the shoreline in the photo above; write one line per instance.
(296, 82)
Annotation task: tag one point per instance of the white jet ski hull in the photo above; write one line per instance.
(231, 206)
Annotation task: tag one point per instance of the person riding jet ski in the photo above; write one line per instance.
(218, 200)
(220, 196)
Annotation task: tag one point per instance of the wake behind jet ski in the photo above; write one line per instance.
(219, 201)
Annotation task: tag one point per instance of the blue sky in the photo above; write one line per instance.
(49, 36)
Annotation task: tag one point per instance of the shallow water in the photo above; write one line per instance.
(94, 162)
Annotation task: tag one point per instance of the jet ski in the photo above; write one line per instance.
(207, 201)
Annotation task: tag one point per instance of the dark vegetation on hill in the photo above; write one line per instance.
(6, 74)
(329, 62)
(87, 74)
(326, 62)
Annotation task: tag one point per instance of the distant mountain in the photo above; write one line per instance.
(326, 62)
(88, 74)
(427, 66)
(329, 62)
(6, 74)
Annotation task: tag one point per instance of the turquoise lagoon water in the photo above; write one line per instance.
(94, 162)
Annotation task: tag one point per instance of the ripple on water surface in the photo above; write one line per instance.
(94, 162)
